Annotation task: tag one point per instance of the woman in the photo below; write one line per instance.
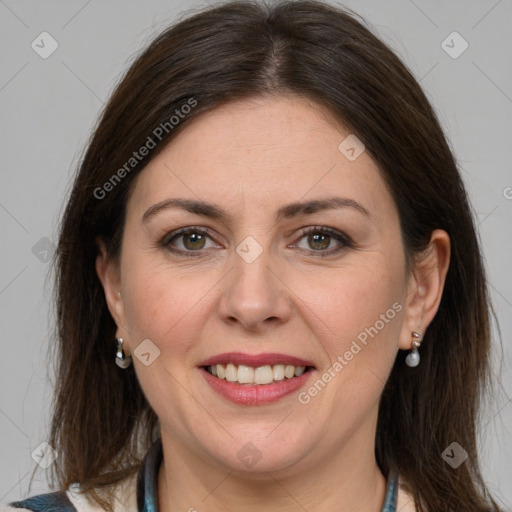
(270, 224)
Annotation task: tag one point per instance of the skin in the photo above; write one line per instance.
(252, 157)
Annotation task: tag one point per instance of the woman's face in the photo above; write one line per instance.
(293, 257)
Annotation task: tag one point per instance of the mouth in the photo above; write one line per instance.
(255, 379)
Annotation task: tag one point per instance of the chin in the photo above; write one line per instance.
(262, 452)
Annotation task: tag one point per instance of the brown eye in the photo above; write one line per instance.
(188, 241)
(193, 240)
(323, 241)
(319, 241)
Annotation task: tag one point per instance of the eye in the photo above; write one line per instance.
(188, 240)
(324, 241)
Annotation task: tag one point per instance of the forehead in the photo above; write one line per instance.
(258, 154)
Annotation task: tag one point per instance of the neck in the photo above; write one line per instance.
(348, 481)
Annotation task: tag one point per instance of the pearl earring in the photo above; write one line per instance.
(123, 360)
(413, 358)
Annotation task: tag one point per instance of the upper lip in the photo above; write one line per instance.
(255, 360)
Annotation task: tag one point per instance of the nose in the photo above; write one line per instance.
(254, 296)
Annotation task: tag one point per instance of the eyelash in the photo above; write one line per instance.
(340, 237)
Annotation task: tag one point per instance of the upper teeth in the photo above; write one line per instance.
(261, 375)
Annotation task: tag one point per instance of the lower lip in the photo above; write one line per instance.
(257, 394)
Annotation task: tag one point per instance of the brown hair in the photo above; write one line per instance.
(102, 424)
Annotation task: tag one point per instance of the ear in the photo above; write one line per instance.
(109, 274)
(425, 287)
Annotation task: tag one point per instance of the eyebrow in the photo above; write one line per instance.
(215, 212)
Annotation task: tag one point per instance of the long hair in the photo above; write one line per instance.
(102, 423)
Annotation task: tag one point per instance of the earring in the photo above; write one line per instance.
(122, 359)
(413, 358)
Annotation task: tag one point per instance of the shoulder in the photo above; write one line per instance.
(49, 502)
(73, 500)
(405, 501)
(137, 489)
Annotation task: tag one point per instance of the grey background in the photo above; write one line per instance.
(48, 107)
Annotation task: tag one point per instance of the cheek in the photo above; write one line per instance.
(157, 299)
(362, 307)
(164, 307)
(364, 316)
(356, 297)
(169, 305)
